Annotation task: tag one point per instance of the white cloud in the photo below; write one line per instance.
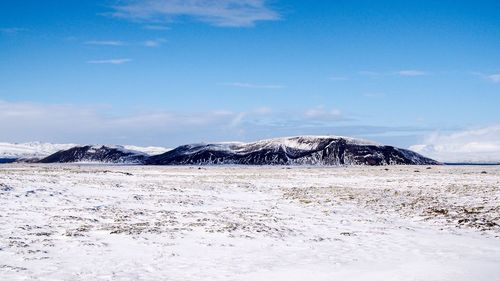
(63, 123)
(25, 121)
(229, 13)
(153, 43)
(105, 42)
(475, 145)
(495, 78)
(321, 113)
(411, 73)
(109, 61)
(253, 86)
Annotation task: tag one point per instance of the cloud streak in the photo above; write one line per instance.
(151, 43)
(320, 113)
(154, 43)
(23, 121)
(109, 61)
(253, 86)
(11, 30)
(411, 73)
(105, 42)
(495, 78)
(156, 27)
(224, 13)
(403, 73)
(63, 123)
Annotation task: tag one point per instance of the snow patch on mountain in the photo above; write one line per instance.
(150, 150)
(299, 142)
(30, 149)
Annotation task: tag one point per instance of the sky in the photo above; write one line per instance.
(423, 74)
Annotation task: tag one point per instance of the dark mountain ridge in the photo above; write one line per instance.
(100, 154)
(301, 150)
(328, 151)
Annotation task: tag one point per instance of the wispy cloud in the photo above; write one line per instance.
(11, 30)
(94, 123)
(24, 121)
(253, 86)
(105, 42)
(263, 110)
(338, 78)
(321, 113)
(153, 43)
(495, 78)
(411, 73)
(156, 27)
(406, 73)
(227, 13)
(109, 61)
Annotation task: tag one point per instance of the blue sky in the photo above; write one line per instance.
(168, 72)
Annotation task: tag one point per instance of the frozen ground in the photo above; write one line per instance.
(69, 222)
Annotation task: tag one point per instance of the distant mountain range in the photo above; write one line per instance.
(33, 151)
(301, 150)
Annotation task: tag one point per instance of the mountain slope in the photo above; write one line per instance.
(100, 154)
(302, 150)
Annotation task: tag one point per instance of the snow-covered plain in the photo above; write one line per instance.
(84, 222)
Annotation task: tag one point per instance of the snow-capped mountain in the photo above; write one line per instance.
(301, 150)
(30, 149)
(99, 154)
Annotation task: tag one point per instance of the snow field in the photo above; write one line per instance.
(85, 222)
